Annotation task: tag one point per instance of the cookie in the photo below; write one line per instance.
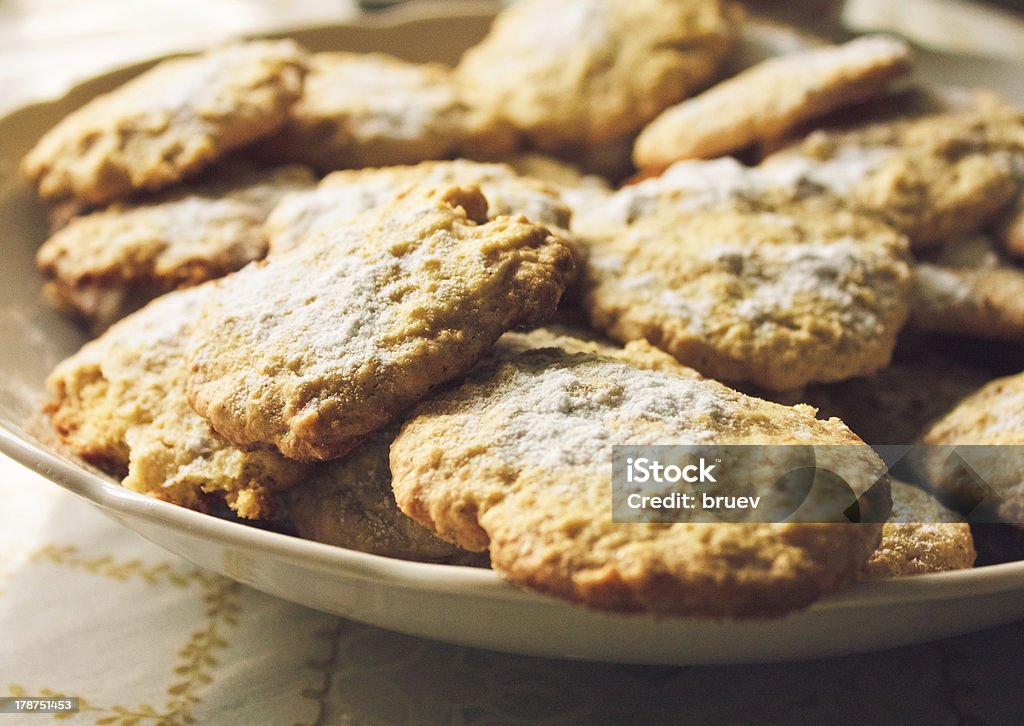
(895, 405)
(169, 122)
(311, 350)
(934, 178)
(103, 265)
(906, 100)
(805, 293)
(348, 503)
(372, 109)
(344, 194)
(586, 72)
(968, 288)
(990, 422)
(769, 99)
(1003, 134)
(120, 403)
(517, 459)
(922, 536)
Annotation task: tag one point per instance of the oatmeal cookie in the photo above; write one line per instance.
(934, 177)
(968, 288)
(921, 536)
(897, 404)
(769, 99)
(518, 458)
(120, 403)
(988, 428)
(312, 349)
(169, 122)
(778, 299)
(103, 265)
(372, 109)
(587, 72)
(348, 503)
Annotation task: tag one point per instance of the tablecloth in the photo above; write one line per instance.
(89, 609)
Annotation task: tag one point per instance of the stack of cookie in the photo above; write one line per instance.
(335, 354)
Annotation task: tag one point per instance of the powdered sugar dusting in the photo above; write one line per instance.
(320, 345)
(829, 274)
(343, 195)
(942, 286)
(691, 186)
(840, 174)
(561, 410)
(777, 282)
(404, 101)
(572, 414)
(302, 215)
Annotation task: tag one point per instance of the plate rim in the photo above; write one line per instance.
(483, 583)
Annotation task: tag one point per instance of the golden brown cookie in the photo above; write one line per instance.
(908, 99)
(103, 265)
(895, 405)
(120, 403)
(518, 458)
(312, 349)
(921, 536)
(344, 194)
(169, 122)
(990, 422)
(780, 299)
(348, 503)
(586, 72)
(372, 109)
(987, 124)
(934, 178)
(769, 99)
(968, 288)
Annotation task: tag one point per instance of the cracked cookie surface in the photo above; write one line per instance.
(312, 349)
(778, 298)
(517, 459)
(120, 403)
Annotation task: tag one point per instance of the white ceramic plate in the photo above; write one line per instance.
(456, 604)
